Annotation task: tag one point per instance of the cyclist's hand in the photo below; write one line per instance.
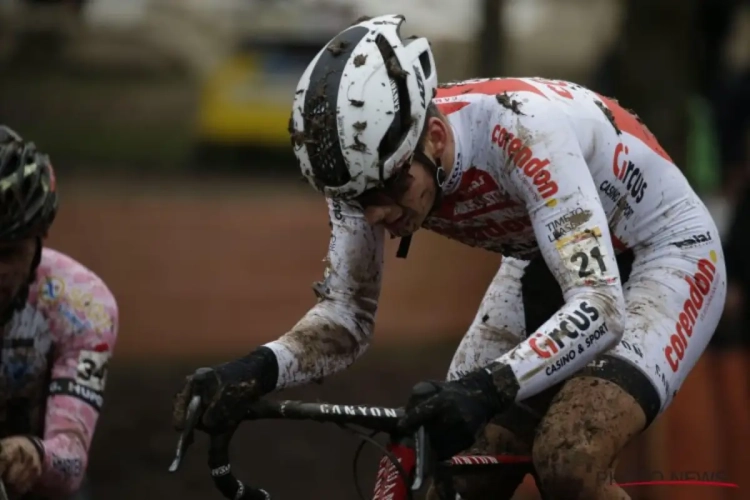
(223, 398)
(20, 463)
(227, 390)
(452, 413)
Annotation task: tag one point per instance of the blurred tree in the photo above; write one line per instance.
(649, 71)
(42, 31)
(490, 60)
(656, 73)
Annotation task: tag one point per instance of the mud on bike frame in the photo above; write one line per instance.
(402, 471)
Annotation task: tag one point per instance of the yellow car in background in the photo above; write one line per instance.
(244, 105)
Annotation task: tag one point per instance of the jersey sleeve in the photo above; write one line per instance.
(78, 377)
(546, 168)
(337, 330)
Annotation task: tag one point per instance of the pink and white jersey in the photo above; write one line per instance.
(542, 167)
(54, 357)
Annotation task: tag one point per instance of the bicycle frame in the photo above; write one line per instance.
(407, 457)
(390, 485)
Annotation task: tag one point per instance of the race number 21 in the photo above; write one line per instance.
(583, 260)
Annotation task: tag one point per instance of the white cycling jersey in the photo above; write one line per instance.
(546, 167)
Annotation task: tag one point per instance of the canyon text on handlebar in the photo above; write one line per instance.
(373, 418)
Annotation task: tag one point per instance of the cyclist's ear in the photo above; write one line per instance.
(435, 136)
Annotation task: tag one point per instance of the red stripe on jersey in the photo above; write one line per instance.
(627, 122)
(489, 87)
(618, 244)
(451, 107)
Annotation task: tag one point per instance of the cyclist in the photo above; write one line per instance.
(59, 328)
(571, 187)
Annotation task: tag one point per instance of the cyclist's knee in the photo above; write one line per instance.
(588, 423)
(567, 468)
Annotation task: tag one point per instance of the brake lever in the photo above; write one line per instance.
(187, 436)
(421, 460)
(3, 493)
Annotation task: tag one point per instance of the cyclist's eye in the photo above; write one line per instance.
(399, 184)
(373, 197)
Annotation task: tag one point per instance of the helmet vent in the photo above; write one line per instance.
(402, 116)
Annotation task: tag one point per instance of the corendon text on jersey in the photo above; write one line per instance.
(523, 158)
(699, 285)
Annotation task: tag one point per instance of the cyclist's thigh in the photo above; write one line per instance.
(675, 298)
(579, 439)
(498, 325)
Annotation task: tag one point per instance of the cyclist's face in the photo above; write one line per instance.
(406, 200)
(404, 203)
(15, 264)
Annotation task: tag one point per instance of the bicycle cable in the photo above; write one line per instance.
(391, 457)
(357, 454)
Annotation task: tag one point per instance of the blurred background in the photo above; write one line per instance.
(167, 123)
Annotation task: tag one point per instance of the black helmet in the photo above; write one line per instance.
(28, 198)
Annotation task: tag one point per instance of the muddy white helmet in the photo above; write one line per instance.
(360, 107)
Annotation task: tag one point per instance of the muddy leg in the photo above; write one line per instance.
(577, 443)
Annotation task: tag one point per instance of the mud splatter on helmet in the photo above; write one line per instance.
(360, 107)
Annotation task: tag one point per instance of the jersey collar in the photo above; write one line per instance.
(454, 179)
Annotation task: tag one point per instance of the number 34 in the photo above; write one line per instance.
(88, 369)
(584, 271)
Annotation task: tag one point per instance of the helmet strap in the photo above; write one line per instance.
(436, 167)
(438, 172)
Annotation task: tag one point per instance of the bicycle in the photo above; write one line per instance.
(406, 459)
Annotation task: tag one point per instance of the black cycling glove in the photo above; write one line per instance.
(452, 413)
(227, 390)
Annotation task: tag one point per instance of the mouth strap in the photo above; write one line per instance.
(403, 247)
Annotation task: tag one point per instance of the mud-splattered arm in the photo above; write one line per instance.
(337, 330)
(544, 164)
